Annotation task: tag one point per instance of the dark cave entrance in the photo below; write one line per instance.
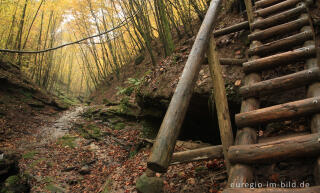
(201, 121)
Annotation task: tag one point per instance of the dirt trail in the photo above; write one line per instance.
(52, 129)
(61, 126)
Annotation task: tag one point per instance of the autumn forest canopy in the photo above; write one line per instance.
(113, 33)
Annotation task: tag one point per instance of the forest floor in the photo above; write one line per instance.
(97, 148)
(78, 152)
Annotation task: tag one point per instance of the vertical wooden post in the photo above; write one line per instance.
(249, 9)
(240, 173)
(221, 101)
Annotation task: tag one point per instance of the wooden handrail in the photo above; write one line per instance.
(170, 128)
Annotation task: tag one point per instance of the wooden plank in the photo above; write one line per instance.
(282, 44)
(170, 128)
(277, 59)
(271, 152)
(280, 29)
(315, 189)
(277, 8)
(206, 153)
(280, 18)
(279, 112)
(282, 83)
(231, 29)
(220, 98)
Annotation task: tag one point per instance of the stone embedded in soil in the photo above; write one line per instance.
(147, 184)
(15, 184)
(8, 166)
(93, 147)
(10, 180)
(84, 170)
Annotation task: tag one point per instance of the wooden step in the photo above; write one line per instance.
(205, 153)
(280, 29)
(280, 18)
(281, 137)
(279, 59)
(266, 3)
(275, 151)
(285, 43)
(279, 112)
(282, 83)
(314, 189)
(277, 8)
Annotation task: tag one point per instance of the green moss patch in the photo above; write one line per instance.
(89, 132)
(67, 141)
(119, 126)
(29, 155)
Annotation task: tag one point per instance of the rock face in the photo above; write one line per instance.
(146, 184)
(10, 180)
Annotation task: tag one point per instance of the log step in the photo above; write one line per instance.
(266, 3)
(277, 59)
(205, 153)
(285, 43)
(282, 83)
(276, 8)
(280, 18)
(280, 29)
(279, 112)
(281, 137)
(314, 189)
(271, 152)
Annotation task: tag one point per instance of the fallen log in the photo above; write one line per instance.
(205, 153)
(271, 152)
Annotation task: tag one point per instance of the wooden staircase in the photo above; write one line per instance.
(277, 28)
(282, 34)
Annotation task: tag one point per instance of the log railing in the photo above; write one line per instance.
(163, 148)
